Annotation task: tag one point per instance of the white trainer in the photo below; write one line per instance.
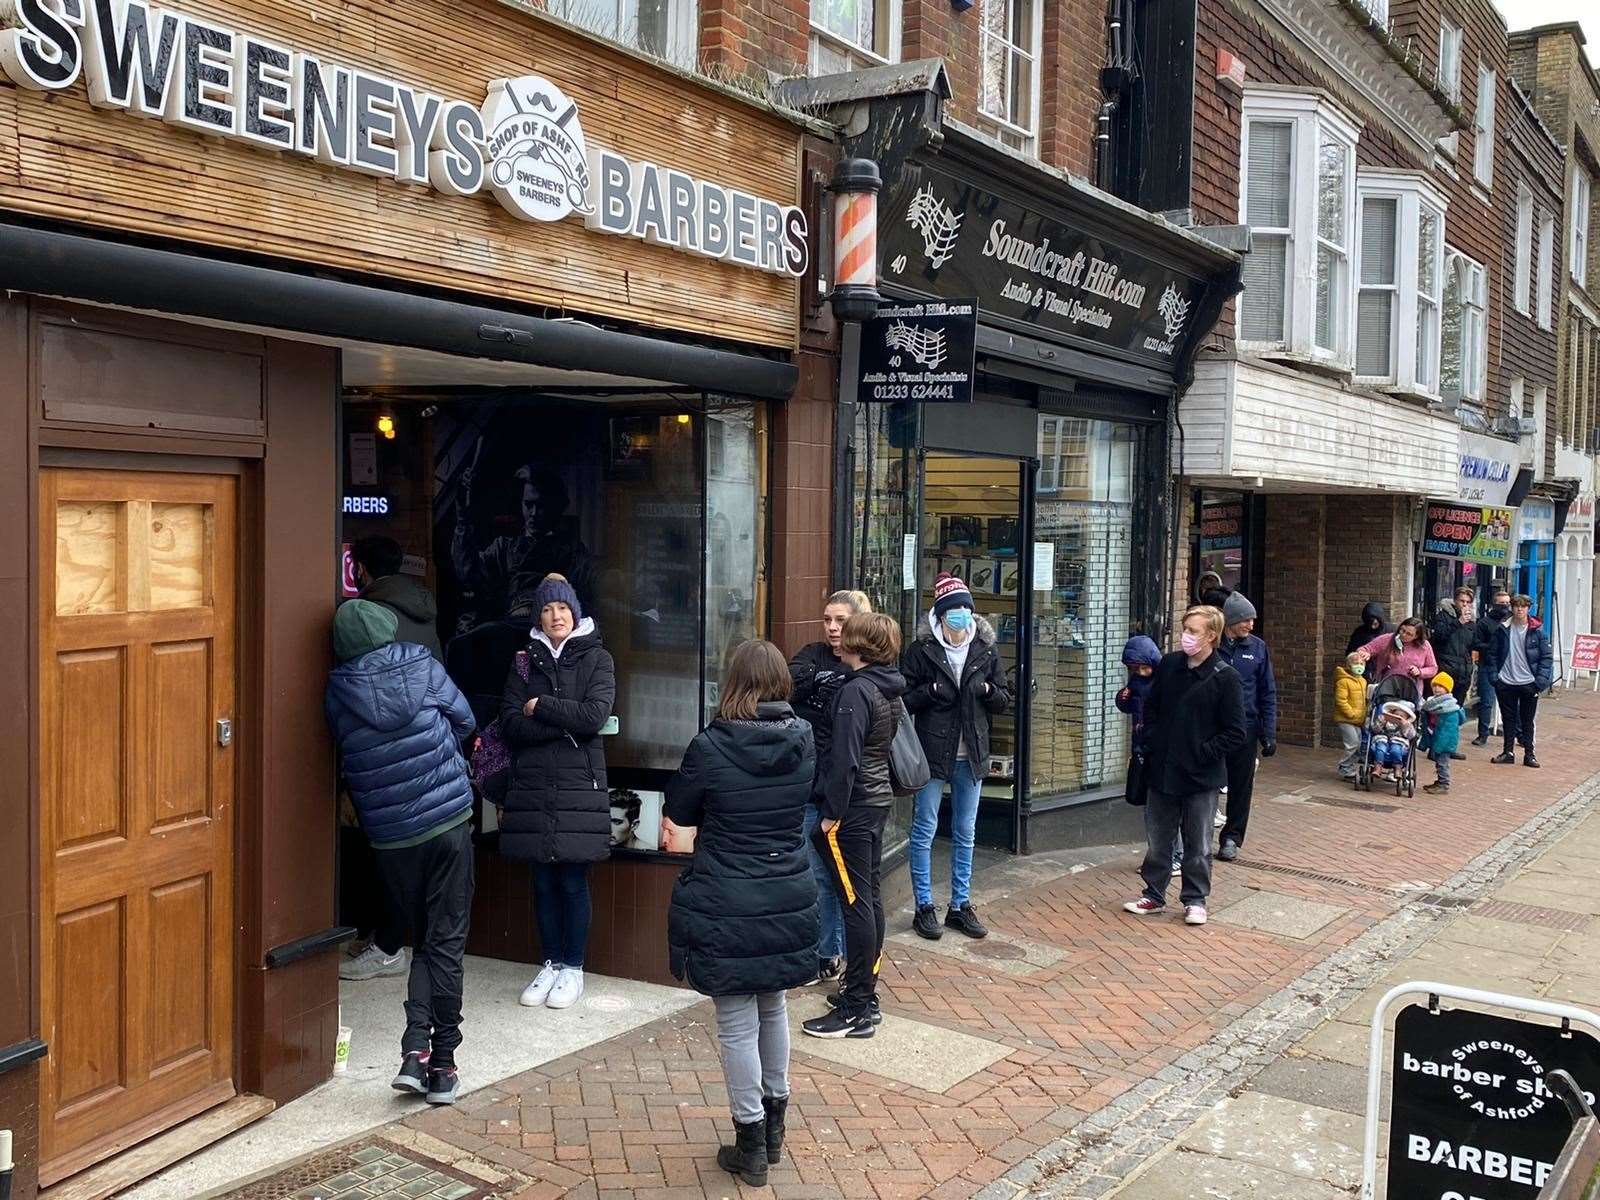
(537, 992)
(567, 989)
(1194, 914)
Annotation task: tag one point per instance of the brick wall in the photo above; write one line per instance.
(1291, 602)
(802, 484)
(1367, 554)
(1074, 52)
(755, 37)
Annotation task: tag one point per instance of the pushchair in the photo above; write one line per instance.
(1396, 687)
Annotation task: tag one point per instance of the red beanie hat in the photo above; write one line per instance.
(949, 592)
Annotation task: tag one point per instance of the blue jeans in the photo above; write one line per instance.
(963, 824)
(561, 895)
(1486, 703)
(831, 943)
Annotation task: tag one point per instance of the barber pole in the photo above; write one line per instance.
(855, 186)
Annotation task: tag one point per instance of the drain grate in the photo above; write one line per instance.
(1347, 802)
(1441, 900)
(370, 1170)
(1533, 914)
(1319, 877)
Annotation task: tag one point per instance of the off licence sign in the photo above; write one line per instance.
(1473, 1117)
(1466, 531)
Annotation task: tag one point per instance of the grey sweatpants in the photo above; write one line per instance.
(753, 1034)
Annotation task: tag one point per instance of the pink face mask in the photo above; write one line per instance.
(1190, 643)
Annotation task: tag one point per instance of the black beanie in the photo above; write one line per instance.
(556, 590)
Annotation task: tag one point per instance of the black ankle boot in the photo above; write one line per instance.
(777, 1108)
(747, 1157)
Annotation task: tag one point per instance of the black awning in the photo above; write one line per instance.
(69, 266)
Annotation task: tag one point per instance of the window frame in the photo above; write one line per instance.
(1545, 272)
(1522, 277)
(1415, 367)
(1311, 116)
(1474, 351)
(1579, 232)
(1483, 127)
(1024, 140)
(683, 26)
(1450, 36)
(859, 56)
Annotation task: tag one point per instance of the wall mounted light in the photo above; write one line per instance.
(855, 186)
(386, 426)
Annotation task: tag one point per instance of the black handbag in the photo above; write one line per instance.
(1138, 788)
(908, 765)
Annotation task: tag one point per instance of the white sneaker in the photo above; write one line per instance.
(567, 989)
(372, 963)
(1220, 817)
(537, 992)
(1194, 914)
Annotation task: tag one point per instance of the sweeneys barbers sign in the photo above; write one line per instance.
(524, 142)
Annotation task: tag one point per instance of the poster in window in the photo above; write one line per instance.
(1469, 532)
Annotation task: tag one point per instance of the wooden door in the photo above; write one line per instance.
(136, 671)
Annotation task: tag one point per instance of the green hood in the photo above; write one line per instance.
(360, 627)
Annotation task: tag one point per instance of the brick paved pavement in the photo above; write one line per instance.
(639, 1117)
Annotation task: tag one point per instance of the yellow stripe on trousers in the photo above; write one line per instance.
(838, 859)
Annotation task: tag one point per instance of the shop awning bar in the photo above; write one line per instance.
(47, 263)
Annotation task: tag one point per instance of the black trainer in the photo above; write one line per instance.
(874, 1009)
(1504, 757)
(839, 1024)
(1528, 760)
(413, 1074)
(965, 919)
(1481, 740)
(444, 1084)
(926, 923)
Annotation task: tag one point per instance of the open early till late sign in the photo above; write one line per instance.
(1472, 1116)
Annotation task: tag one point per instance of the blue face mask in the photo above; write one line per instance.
(959, 618)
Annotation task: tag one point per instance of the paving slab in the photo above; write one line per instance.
(999, 951)
(1471, 929)
(1337, 1041)
(1185, 1175)
(928, 1057)
(1303, 1140)
(1286, 916)
(1323, 1082)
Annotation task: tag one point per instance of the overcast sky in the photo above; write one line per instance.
(1522, 14)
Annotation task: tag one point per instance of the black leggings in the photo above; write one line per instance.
(561, 903)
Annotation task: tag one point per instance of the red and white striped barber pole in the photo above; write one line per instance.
(855, 186)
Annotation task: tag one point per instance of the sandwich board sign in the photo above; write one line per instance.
(1472, 1116)
(1586, 657)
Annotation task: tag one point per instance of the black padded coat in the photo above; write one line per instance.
(744, 912)
(557, 807)
(949, 712)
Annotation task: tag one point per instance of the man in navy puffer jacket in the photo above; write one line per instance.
(399, 722)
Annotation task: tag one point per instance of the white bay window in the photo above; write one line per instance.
(1401, 246)
(1297, 194)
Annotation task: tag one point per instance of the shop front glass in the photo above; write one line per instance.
(1082, 602)
(1222, 531)
(653, 507)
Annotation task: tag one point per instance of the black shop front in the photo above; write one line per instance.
(1048, 490)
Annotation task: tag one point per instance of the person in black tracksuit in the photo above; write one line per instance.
(1247, 654)
(1195, 718)
(1495, 614)
(817, 673)
(856, 797)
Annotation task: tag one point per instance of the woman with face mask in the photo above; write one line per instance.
(1194, 719)
(955, 685)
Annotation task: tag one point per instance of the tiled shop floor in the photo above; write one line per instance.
(639, 1117)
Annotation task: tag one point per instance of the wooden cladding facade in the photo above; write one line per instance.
(61, 158)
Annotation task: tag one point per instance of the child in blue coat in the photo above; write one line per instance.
(1140, 655)
(1441, 725)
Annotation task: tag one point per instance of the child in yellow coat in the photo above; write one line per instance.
(1350, 710)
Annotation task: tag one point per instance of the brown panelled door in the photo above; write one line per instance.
(136, 675)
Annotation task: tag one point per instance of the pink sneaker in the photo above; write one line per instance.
(1194, 914)
(1143, 906)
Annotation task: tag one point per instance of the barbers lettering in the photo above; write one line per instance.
(524, 142)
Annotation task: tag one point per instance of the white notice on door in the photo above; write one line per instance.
(908, 563)
(1044, 566)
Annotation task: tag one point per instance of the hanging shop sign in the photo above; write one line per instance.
(1536, 520)
(948, 237)
(1471, 1113)
(1580, 515)
(1488, 467)
(1222, 525)
(919, 352)
(524, 143)
(1474, 533)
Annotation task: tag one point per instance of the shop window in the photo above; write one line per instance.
(1465, 328)
(668, 29)
(1450, 59)
(850, 34)
(736, 523)
(1522, 281)
(1298, 197)
(1582, 192)
(1221, 540)
(1401, 246)
(1008, 50)
(1483, 128)
(1547, 249)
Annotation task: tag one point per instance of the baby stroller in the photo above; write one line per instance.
(1384, 748)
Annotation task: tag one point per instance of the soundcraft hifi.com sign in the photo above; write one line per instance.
(524, 143)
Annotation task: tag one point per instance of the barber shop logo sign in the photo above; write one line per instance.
(538, 164)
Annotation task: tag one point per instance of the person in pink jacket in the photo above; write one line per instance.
(1406, 651)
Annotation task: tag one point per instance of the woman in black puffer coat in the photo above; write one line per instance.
(743, 923)
(557, 812)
